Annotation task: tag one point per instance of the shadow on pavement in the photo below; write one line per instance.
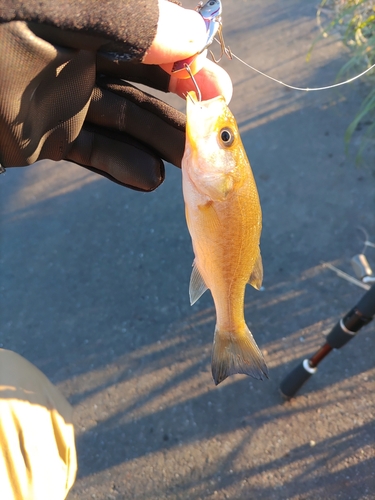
(94, 284)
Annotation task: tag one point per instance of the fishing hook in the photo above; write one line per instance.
(223, 48)
(198, 91)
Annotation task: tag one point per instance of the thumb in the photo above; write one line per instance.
(181, 33)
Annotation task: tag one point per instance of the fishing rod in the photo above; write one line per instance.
(344, 330)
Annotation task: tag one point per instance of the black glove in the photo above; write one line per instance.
(56, 103)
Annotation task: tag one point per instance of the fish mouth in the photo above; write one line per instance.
(192, 99)
(203, 117)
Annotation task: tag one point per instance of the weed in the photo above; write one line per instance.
(354, 22)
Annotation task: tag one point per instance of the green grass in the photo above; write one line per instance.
(354, 22)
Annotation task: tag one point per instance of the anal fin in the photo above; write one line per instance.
(256, 277)
(197, 285)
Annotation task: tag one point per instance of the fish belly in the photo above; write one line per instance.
(225, 239)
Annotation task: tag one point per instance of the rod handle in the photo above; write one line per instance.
(296, 378)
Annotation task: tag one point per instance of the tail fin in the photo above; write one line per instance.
(236, 353)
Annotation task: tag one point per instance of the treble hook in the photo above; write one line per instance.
(198, 91)
(223, 48)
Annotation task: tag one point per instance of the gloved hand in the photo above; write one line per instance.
(56, 103)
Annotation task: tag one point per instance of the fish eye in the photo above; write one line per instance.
(226, 136)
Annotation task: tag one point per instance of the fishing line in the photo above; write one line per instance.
(306, 89)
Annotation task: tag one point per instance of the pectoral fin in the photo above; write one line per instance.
(256, 276)
(197, 285)
(216, 186)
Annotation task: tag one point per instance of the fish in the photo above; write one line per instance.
(224, 218)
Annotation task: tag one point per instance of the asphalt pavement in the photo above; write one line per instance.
(94, 291)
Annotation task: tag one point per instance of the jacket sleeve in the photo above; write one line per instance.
(37, 453)
(117, 26)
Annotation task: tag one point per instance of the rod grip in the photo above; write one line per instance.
(340, 335)
(296, 378)
(366, 305)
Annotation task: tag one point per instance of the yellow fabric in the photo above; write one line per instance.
(37, 449)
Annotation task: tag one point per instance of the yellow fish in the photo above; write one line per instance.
(224, 218)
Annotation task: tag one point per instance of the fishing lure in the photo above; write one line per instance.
(211, 13)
